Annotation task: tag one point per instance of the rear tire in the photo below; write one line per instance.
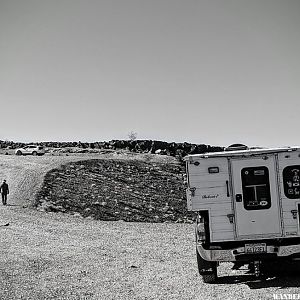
(34, 153)
(209, 276)
(19, 152)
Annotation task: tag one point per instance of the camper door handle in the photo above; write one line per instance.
(238, 198)
(227, 186)
(231, 218)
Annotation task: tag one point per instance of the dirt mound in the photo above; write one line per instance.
(116, 189)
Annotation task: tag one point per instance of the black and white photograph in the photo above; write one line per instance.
(149, 149)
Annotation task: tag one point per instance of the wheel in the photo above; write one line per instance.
(19, 152)
(34, 153)
(207, 269)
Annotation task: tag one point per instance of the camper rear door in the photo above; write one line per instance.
(255, 197)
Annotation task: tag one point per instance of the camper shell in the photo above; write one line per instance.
(247, 203)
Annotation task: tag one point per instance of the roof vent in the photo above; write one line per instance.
(235, 147)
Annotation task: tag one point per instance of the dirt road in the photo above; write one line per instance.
(58, 256)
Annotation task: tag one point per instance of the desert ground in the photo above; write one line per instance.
(60, 254)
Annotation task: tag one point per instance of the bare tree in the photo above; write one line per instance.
(132, 135)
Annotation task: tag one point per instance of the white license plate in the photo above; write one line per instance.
(255, 248)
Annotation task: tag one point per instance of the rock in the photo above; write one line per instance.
(77, 215)
(165, 209)
(133, 267)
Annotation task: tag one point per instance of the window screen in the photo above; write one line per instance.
(291, 182)
(256, 188)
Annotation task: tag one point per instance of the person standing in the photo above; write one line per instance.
(4, 191)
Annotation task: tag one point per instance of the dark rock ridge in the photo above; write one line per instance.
(141, 146)
(111, 189)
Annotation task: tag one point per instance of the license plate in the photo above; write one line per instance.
(255, 248)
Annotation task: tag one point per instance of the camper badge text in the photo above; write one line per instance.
(210, 196)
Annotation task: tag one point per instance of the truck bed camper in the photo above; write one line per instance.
(247, 203)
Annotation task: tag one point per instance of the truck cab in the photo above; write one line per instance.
(247, 203)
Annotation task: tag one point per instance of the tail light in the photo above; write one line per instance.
(200, 232)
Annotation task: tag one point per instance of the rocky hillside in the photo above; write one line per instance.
(147, 190)
(178, 150)
(147, 187)
(117, 189)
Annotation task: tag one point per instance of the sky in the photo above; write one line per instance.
(212, 72)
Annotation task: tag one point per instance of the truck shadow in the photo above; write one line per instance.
(280, 275)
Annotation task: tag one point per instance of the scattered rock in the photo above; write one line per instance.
(133, 267)
(77, 215)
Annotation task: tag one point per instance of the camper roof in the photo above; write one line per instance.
(248, 152)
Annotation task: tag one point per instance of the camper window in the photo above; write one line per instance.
(256, 188)
(291, 181)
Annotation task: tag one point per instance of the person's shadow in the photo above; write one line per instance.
(280, 274)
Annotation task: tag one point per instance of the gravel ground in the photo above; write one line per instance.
(58, 256)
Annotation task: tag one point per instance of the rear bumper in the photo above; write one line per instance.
(238, 253)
